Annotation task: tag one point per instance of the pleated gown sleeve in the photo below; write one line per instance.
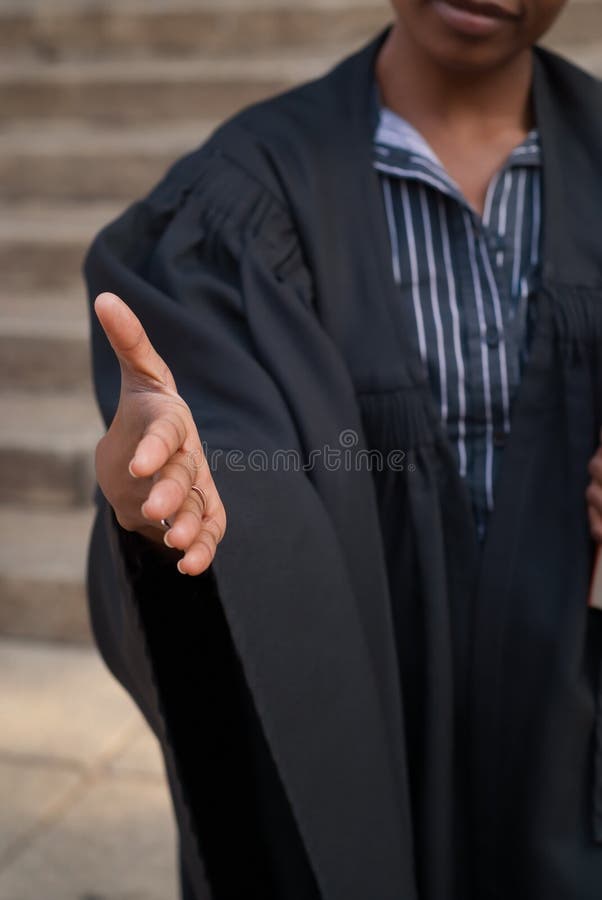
(190, 260)
(211, 264)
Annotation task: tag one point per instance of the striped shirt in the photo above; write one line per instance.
(465, 283)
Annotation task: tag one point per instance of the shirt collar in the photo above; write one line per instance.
(398, 145)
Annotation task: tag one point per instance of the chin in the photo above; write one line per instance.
(463, 52)
(471, 56)
(472, 60)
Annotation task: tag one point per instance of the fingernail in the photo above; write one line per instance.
(132, 473)
(179, 567)
(167, 541)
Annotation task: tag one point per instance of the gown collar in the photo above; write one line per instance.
(568, 115)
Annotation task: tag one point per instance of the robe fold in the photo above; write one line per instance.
(353, 702)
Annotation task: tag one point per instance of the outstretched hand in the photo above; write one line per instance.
(594, 494)
(150, 464)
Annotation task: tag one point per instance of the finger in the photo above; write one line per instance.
(170, 490)
(593, 496)
(200, 554)
(202, 509)
(595, 523)
(214, 508)
(129, 339)
(161, 440)
(188, 526)
(595, 466)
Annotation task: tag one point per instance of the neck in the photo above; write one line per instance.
(413, 85)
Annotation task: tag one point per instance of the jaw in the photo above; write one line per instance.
(465, 36)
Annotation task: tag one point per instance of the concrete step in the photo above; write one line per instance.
(42, 571)
(42, 247)
(589, 56)
(44, 343)
(57, 28)
(47, 448)
(67, 159)
(142, 90)
(579, 23)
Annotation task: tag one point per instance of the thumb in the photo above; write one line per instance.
(129, 339)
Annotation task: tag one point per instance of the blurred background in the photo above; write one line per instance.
(96, 99)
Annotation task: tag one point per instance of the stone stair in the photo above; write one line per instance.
(97, 98)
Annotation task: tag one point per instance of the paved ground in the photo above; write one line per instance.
(85, 813)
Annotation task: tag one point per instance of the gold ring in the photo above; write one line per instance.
(198, 490)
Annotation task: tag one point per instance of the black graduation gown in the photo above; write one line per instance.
(261, 268)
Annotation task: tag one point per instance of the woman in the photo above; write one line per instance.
(362, 296)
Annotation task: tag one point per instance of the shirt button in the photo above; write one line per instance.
(499, 439)
(492, 336)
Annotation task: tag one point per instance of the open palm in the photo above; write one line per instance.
(150, 464)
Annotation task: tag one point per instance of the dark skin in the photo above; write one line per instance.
(467, 94)
(464, 83)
